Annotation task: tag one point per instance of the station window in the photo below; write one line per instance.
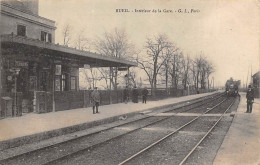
(63, 78)
(21, 30)
(43, 36)
(46, 37)
(57, 83)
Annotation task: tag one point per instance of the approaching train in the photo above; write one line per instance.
(232, 87)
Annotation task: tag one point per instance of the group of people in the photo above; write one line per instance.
(135, 94)
(95, 97)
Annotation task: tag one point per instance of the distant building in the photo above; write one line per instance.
(37, 74)
(256, 84)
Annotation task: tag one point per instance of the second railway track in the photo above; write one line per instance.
(62, 153)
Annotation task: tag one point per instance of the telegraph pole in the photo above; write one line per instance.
(110, 84)
(247, 77)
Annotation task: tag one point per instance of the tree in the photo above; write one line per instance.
(115, 44)
(170, 52)
(91, 76)
(155, 58)
(197, 69)
(66, 34)
(81, 42)
(104, 75)
(175, 68)
(186, 63)
(202, 69)
(209, 70)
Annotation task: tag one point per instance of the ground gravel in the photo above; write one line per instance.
(115, 151)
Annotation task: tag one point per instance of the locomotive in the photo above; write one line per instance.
(232, 87)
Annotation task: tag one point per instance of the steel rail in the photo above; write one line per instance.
(194, 148)
(95, 145)
(160, 140)
(84, 136)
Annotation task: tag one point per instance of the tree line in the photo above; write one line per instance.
(162, 61)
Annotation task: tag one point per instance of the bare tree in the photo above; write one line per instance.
(82, 42)
(175, 68)
(202, 69)
(198, 63)
(203, 74)
(209, 70)
(94, 75)
(206, 70)
(115, 44)
(186, 62)
(170, 52)
(66, 34)
(155, 58)
(104, 75)
(86, 77)
(194, 77)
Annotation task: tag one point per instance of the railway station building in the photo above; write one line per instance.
(256, 84)
(38, 75)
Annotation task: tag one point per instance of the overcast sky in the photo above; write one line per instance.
(227, 31)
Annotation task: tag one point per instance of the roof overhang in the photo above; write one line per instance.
(63, 52)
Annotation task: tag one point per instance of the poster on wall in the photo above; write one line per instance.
(58, 70)
(57, 83)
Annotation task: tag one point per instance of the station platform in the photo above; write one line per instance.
(35, 127)
(241, 145)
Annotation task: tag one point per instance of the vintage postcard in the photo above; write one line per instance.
(130, 82)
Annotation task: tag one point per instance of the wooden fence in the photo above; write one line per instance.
(42, 102)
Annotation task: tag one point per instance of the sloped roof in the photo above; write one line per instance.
(85, 57)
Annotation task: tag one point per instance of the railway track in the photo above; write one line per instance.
(144, 122)
(135, 160)
(204, 137)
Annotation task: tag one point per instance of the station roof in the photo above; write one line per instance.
(63, 52)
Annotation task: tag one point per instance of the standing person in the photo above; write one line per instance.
(250, 99)
(126, 94)
(135, 95)
(144, 94)
(95, 98)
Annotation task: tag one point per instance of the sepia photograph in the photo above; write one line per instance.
(129, 82)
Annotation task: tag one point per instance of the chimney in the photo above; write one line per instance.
(32, 5)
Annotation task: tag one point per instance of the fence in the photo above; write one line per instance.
(42, 102)
(66, 100)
